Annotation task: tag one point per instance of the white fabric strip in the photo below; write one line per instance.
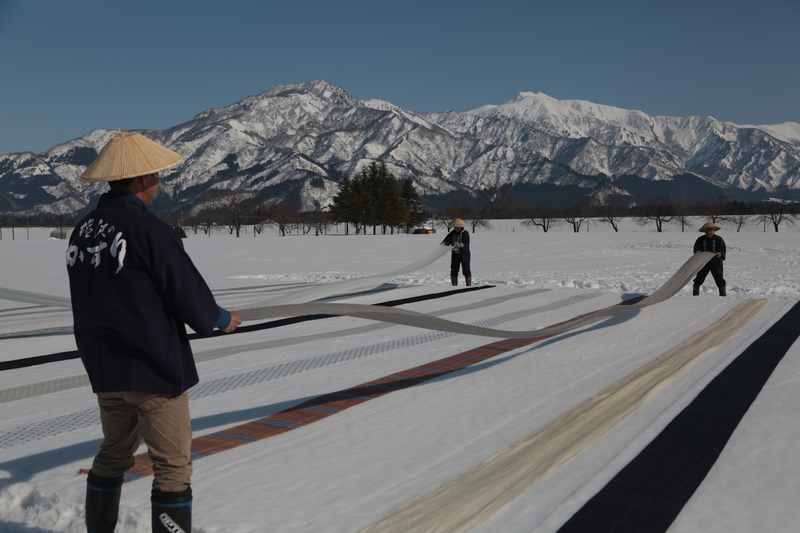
(34, 298)
(326, 290)
(316, 292)
(473, 497)
(422, 320)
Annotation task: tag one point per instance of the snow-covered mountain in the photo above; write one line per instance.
(296, 141)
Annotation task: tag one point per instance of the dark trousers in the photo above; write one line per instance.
(715, 267)
(455, 261)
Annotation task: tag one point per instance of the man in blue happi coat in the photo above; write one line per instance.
(133, 290)
(710, 242)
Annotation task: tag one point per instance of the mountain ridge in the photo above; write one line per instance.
(295, 141)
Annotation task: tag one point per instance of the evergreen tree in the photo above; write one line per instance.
(371, 198)
(416, 215)
(343, 209)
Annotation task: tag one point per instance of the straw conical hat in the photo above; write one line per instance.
(710, 225)
(128, 155)
(458, 223)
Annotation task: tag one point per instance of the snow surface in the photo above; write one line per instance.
(349, 470)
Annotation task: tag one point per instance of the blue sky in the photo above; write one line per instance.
(71, 66)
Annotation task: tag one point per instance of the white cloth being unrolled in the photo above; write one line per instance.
(411, 318)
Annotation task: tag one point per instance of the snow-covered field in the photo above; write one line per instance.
(347, 471)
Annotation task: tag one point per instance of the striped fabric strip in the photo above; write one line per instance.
(301, 415)
(332, 403)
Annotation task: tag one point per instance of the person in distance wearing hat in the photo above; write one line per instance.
(133, 289)
(710, 242)
(460, 255)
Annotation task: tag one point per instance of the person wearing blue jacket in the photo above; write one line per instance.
(134, 289)
(710, 242)
(460, 255)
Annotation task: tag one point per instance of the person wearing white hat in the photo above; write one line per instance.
(710, 242)
(133, 289)
(460, 256)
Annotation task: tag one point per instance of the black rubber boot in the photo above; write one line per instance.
(469, 282)
(454, 280)
(102, 503)
(172, 511)
(696, 290)
(722, 291)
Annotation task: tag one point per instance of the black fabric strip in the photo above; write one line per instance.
(297, 319)
(648, 494)
(38, 360)
(66, 356)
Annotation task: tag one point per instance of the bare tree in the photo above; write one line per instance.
(234, 208)
(454, 207)
(260, 219)
(320, 221)
(283, 215)
(657, 210)
(577, 213)
(315, 221)
(207, 221)
(540, 214)
(714, 206)
(737, 221)
(193, 222)
(613, 210)
(475, 219)
(777, 212)
(499, 200)
(682, 207)
(479, 222)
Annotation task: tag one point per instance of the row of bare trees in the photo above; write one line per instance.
(500, 203)
(773, 215)
(236, 210)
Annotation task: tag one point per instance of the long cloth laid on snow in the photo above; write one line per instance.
(275, 309)
(422, 320)
(325, 290)
(316, 292)
(328, 404)
(650, 492)
(34, 298)
(471, 498)
(310, 294)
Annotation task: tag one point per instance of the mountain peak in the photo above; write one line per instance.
(530, 96)
(319, 88)
(295, 141)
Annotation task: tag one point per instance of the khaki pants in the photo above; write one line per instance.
(163, 422)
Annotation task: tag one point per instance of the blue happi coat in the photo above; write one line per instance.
(462, 237)
(133, 288)
(714, 244)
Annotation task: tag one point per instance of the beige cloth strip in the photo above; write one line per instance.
(34, 298)
(426, 321)
(412, 318)
(326, 290)
(57, 385)
(315, 292)
(470, 499)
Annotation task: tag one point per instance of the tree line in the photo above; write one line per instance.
(660, 211)
(500, 202)
(374, 199)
